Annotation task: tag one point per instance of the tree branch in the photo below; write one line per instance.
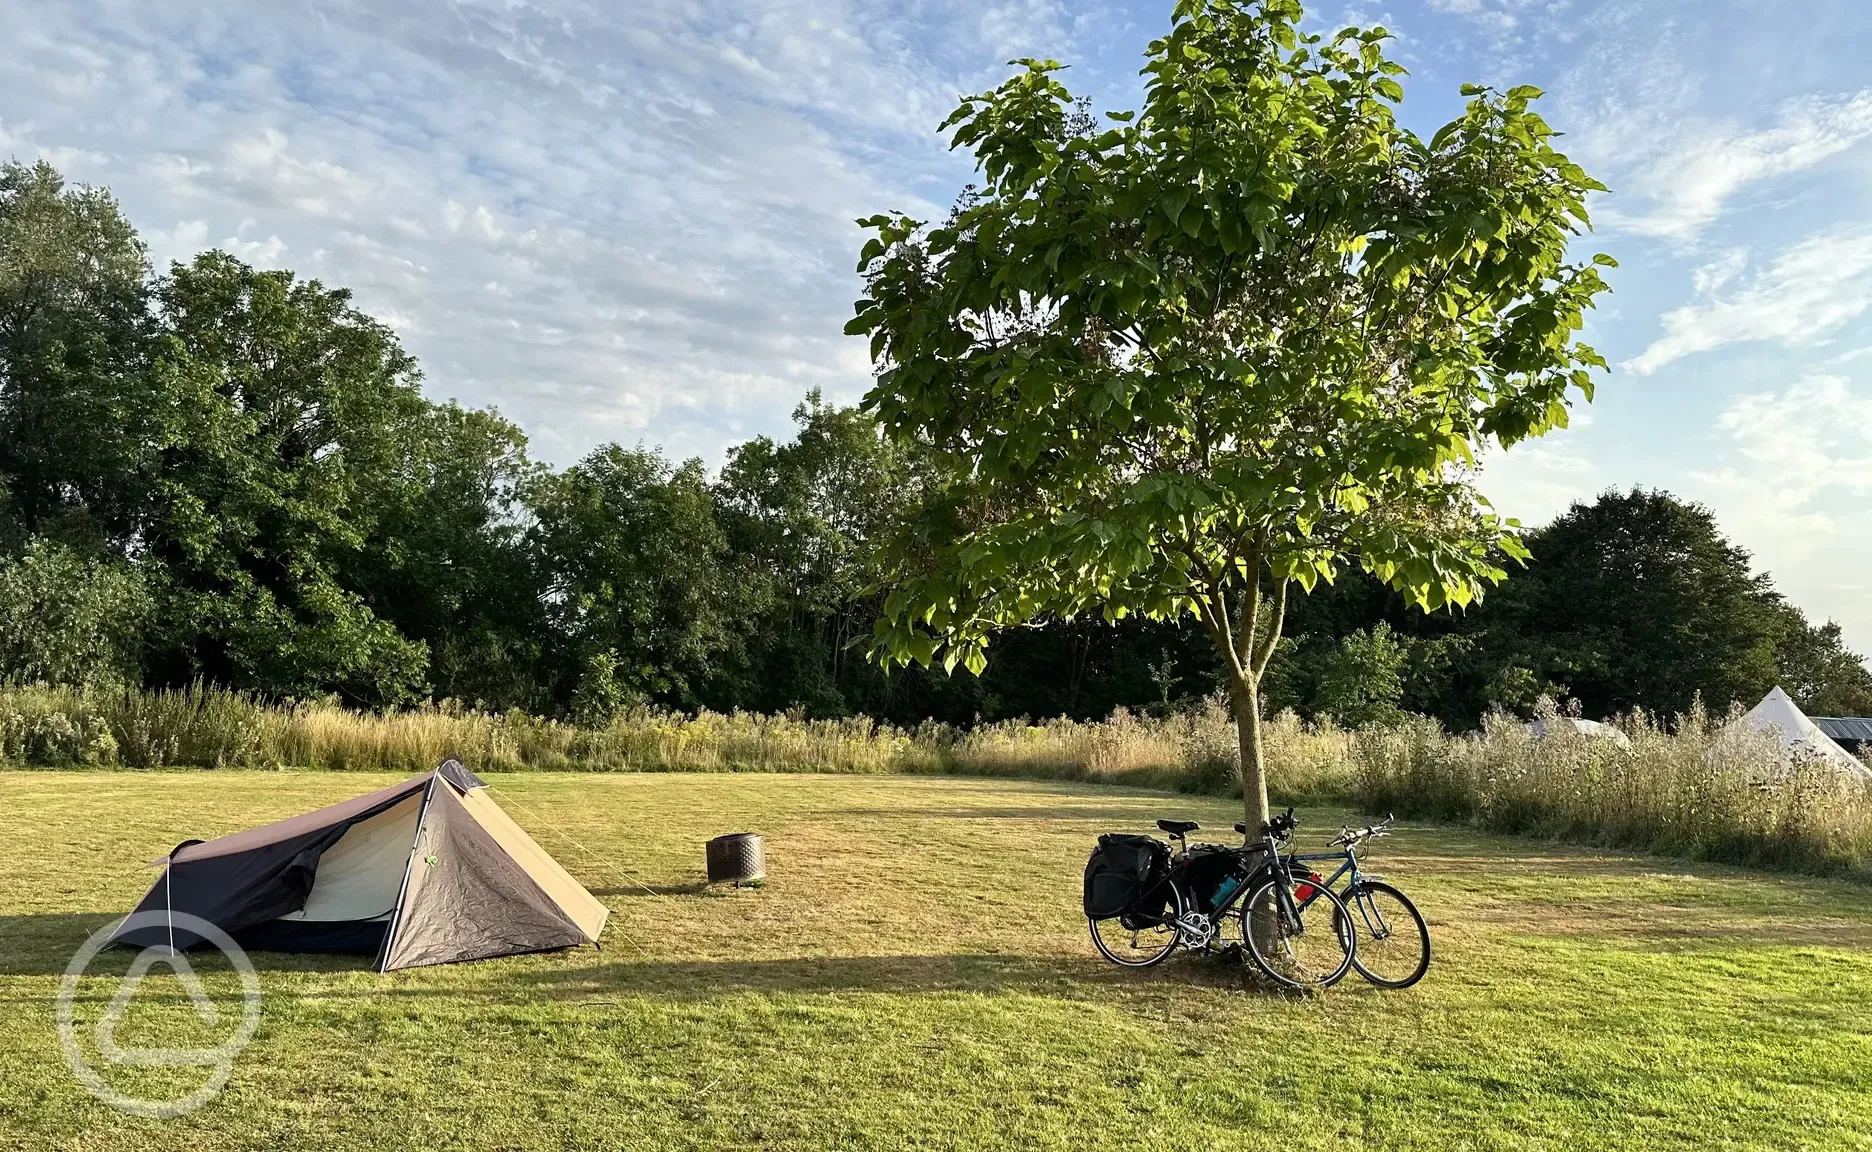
(1250, 614)
(1264, 650)
(1215, 617)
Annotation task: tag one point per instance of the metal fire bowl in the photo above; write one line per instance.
(736, 858)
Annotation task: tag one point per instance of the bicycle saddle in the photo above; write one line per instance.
(1178, 827)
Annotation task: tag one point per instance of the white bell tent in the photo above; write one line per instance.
(1541, 728)
(1801, 739)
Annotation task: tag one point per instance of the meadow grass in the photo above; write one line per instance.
(1702, 790)
(915, 974)
(1697, 788)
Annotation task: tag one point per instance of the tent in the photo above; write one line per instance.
(1801, 740)
(1592, 729)
(429, 871)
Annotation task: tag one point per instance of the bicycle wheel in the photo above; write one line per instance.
(1139, 944)
(1316, 952)
(1393, 940)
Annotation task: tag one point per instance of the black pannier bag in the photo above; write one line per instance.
(1205, 869)
(1122, 872)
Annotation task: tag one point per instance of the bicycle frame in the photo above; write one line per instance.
(1270, 866)
(1270, 849)
(1348, 862)
(1348, 858)
(1185, 900)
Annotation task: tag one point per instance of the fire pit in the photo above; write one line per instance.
(736, 858)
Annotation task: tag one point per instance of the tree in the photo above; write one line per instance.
(447, 561)
(809, 514)
(647, 599)
(1245, 339)
(287, 414)
(1825, 677)
(1363, 679)
(1637, 600)
(68, 620)
(1371, 673)
(73, 420)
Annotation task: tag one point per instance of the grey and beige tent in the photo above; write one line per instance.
(429, 871)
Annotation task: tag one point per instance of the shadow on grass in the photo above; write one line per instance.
(691, 980)
(1104, 817)
(43, 945)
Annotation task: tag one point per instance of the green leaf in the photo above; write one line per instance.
(1113, 401)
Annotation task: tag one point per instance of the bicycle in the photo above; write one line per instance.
(1274, 920)
(1393, 939)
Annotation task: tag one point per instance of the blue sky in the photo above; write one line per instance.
(632, 221)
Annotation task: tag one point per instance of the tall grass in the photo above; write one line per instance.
(1701, 789)
(211, 727)
(1698, 789)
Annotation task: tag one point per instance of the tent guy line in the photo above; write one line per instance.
(607, 861)
(610, 862)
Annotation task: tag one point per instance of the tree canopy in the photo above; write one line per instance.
(74, 409)
(300, 413)
(1632, 600)
(1252, 335)
(223, 472)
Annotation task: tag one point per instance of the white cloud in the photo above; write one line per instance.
(1673, 175)
(1497, 17)
(1809, 292)
(1537, 480)
(1720, 272)
(268, 253)
(1794, 489)
(1507, 29)
(662, 191)
(1025, 21)
(1812, 439)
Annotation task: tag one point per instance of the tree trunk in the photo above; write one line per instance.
(1247, 699)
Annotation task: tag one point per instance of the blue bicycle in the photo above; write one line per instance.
(1393, 940)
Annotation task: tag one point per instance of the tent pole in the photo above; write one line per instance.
(409, 865)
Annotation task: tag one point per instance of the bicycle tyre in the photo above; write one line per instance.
(1366, 902)
(1273, 951)
(1149, 957)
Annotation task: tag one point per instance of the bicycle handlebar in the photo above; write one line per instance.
(1279, 828)
(1351, 836)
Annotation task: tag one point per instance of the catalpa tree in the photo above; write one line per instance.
(1179, 361)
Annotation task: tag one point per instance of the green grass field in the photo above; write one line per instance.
(916, 975)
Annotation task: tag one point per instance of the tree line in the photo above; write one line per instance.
(216, 472)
